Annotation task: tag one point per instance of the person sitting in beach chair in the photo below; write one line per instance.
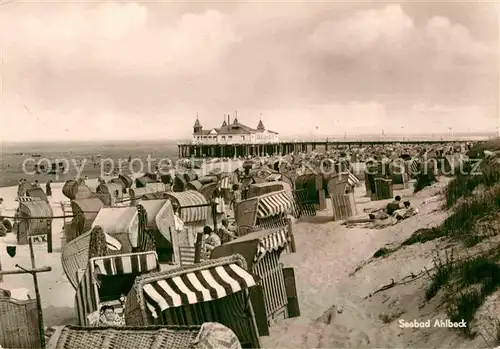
(226, 233)
(110, 318)
(211, 239)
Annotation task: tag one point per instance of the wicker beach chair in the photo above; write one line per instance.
(157, 227)
(77, 337)
(31, 207)
(19, 323)
(85, 212)
(231, 306)
(262, 251)
(110, 193)
(75, 256)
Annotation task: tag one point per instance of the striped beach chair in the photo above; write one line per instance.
(107, 278)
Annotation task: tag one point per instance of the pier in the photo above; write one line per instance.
(286, 147)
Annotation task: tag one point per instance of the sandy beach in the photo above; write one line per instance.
(327, 257)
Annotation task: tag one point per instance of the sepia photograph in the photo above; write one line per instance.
(249, 174)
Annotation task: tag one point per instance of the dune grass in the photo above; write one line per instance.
(467, 284)
(468, 178)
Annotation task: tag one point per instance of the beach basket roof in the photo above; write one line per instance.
(206, 281)
(254, 245)
(191, 198)
(150, 188)
(114, 220)
(89, 206)
(160, 216)
(152, 207)
(36, 193)
(128, 263)
(144, 337)
(35, 207)
(274, 203)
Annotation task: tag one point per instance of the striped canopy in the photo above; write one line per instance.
(273, 204)
(414, 166)
(196, 286)
(271, 242)
(255, 245)
(351, 179)
(87, 293)
(127, 264)
(191, 198)
(226, 183)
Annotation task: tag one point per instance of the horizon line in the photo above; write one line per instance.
(358, 137)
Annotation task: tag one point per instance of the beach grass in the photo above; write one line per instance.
(468, 283)
(465, 284)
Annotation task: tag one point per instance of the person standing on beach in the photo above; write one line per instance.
(48, 189)
(236, 195)
(20, 188)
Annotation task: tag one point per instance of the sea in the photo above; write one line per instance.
(18, 159)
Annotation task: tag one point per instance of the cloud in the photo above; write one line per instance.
(391, 31)
(132, 70)
(118, 37)
(366, 30)
(454, 39)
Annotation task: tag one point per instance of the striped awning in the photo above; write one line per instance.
(274, 204)
(191, 198)
(226, 183)
(196, 286)
(127, 264)
(26, 199)
(271, 242)
(414, 166)
(274, 177)
(86, 298)
(351, 179)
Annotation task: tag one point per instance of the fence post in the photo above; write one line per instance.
(49, 237)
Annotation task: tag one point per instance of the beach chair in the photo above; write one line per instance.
(194, 211)
(106, 279)
(278, 294)
(29, 209)
(266, 211)
(129, 337)
(218, 291)
(19, 323)
(157, 227)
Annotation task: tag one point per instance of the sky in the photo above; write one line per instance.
(113, 71)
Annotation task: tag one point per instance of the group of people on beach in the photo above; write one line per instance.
(397, 209)
(24, 185)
